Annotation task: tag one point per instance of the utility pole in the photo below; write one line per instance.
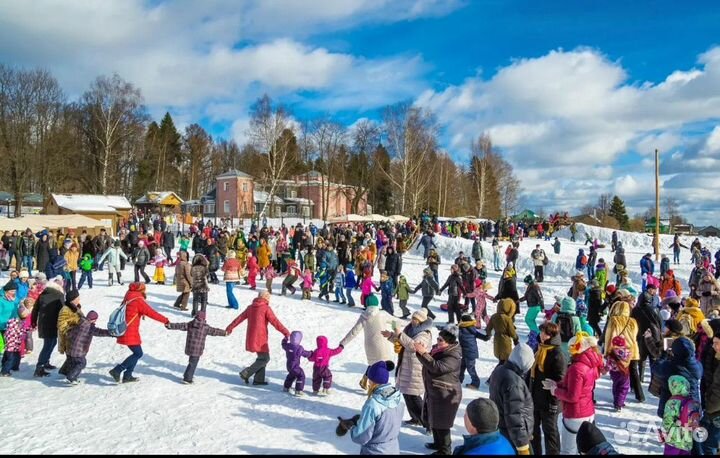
(657, 206)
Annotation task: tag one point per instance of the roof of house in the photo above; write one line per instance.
(158, 198)
(300, 200)
(234, 173)
(709, 228)
(260, 197)
(91, 203)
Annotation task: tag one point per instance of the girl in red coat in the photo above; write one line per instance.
(252, 268)
(135, 309)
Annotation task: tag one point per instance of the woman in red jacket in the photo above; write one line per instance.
(575, 390)
(259, 315)
(135, 309)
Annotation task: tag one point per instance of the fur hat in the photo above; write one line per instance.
(265, 295)
(450, 333)
(72, 295)
(92, 315)
(675, 327)
(24, 274)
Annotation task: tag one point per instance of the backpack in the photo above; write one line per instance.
(567, 327)
(584, 260)
(689, 326)
(117, 326)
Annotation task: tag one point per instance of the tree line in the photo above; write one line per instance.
(105, 142)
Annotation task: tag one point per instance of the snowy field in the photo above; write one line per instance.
(219, 414)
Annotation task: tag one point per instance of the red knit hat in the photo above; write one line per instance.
(611, 288)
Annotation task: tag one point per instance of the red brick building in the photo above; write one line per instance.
(234, 195)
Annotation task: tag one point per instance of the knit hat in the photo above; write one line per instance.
(372, 301)
(665, 314)
(670, 293)
(58, 279)
(116, 243)
(450, 333)
(379, 372)
(10, 286)
(200, 316)
(265, 295)
(528, 279)
(581, 343)
(92, 315)
(467, 318)
(610, 289)
(675, 327)
(420, 315)
(483, 415)
(588, 437)
(72, 295)
(24, 274)
(41, 277)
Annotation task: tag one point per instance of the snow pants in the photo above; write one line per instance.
(298, 377)
(321, 376)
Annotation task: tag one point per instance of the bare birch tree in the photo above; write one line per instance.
(115, 109)
(328, 138)
(411, 137)
(267, 123)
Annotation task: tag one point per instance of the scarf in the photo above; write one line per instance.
(540, 358)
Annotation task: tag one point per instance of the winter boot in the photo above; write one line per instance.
(115, 375)
(110, 280)
(119, 279)
(40, 372)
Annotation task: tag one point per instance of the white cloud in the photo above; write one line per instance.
(576, 109)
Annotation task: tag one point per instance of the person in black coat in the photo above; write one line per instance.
(596, 307)
(392, 264)
(647, 317)
(45, 318)
(507, 287)
(550, 363)
(511, 394)
(168, 243)
(455, 288)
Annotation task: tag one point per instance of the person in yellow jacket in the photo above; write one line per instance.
(72, 256)
(69, 317)
(691, 317)
(621, 324)
(263, 255)
(241, 253)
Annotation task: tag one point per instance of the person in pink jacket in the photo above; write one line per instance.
(321, 367)
(366, 288)
(259, 315)
(307, 284)
(575, 390)
(252, 269)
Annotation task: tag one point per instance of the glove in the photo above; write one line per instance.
(523, 450)
(345, 425)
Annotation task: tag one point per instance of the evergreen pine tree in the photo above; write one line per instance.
(617, 211)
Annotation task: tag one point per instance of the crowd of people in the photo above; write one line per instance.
(542, 391)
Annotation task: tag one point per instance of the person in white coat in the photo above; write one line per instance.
(372, 322)
(113, 255)
(409, 379)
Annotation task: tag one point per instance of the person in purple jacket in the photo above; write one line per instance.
(197, 332)
(294, 352)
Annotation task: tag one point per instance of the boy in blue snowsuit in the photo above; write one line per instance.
(387, 288)
(350, 284)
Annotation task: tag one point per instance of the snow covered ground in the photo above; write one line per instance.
(219, 414)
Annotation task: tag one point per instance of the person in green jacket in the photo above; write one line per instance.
(402, 292)
(310, 260)
(184, 242)
(86, 267)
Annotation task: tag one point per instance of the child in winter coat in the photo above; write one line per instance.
(86, 269)
(197, 332)
(481, 297)
(350, 285)
(14, 336)
(307, 284)
(601, 274)
(680, 417)
(455, 288)
(429, 287)
(200, 287)
(214, 266)
(617, 362)
(160, 260)
(386, 293)
(323, 278)
(366, 287)
(467, 337)
(80, 340)
(321, 369)
(270, 275)
(402, 292)
(252, 270)
(340, 285)
(294, 352)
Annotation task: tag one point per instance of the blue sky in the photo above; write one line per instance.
(576, 95)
